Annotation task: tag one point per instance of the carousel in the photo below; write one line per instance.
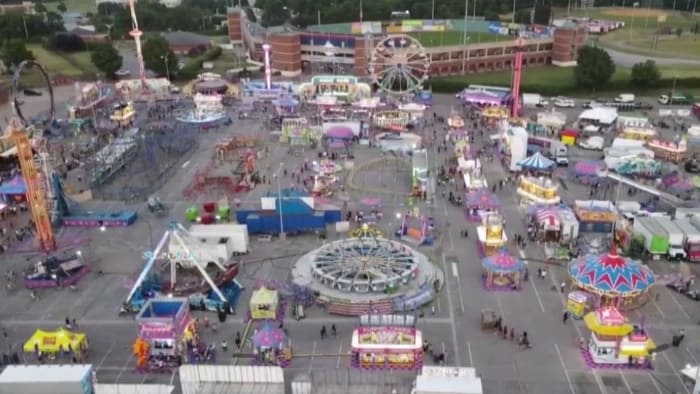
(612, 280)
(455, 121)
(501, 271)
(492, 234)
(614, 341)
(540, 190)
(479, 203)
(537, 163)
(271, 346)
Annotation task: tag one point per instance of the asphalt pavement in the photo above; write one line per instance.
(553, 365)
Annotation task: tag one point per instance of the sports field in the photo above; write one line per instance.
(641, 25)
(83, 6)
(452, 37)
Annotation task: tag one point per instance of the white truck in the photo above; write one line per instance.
(211, 244)
(534, 100)
(595, 142)
(559, 153)
(676, 238)
(624, 98)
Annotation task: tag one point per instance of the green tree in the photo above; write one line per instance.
(594, 67)
(156, 53)
(62, 7)
(14, 52)
(106, 58)
(645, 74)
(275, 13)
(40, 8)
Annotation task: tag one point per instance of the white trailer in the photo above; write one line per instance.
(232, 237)
(45, 379)
(532, 99)
(676, 238)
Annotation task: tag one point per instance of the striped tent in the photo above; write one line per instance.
(537, 162)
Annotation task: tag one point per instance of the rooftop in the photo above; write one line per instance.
(185, 38)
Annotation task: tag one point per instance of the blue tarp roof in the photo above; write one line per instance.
(13, 186)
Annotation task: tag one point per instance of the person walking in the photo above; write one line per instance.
(333, 330)
(323, 332)
(565, 317)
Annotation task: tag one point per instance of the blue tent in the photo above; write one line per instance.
(13, 186)
(537, 162)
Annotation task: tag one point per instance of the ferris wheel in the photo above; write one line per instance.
(399, 64)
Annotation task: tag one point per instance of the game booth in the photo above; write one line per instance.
(286, 106)
(612, 280)
(540, 190)
(492, 234)
(61, 343)
(271, 346)
(493, 115)
(638, 133)
(615, 342)
(165, 329)
(387, 347)
(479, 203)
(264, 304)
(391, 120)
(473, 177)
(347, 88)
(589, 172)
(595, 216)
(673, 151)
(501, 271)
(297, 131)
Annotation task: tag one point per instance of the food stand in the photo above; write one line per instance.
(491, 233)
(264, 303)
(57, 343)
(638, 133)
(165, 329)
(538, 191)
(595, 216)
(493, 115)
(387, 347)
(669, 150)
(501, 271)
(614, 341)
(568, 137)
(576, 304)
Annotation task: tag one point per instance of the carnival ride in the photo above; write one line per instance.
(89, 97)
(346, 88)
(136, 34)
(455, 121)
(479, 203)
(538, 191)
(227, 148)
(416, 228)
(612, 279)
(208, 109)
(53, 272)
(219, 293)
(399, 64)
(211, 84)
(271, 345)
(365, 274)
(123, 114)
(213, 182)
(415, 111)
(517, 77)
(501, 271)
(391, 120)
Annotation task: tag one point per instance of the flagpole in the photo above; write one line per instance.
(361, 11)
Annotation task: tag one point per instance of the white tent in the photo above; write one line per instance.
(448, 380)
(601, 115)
(133, 389)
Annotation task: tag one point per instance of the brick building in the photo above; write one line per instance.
(292, 52)
(184, 43)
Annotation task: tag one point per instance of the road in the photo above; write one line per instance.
(554, 364)
(629, 59)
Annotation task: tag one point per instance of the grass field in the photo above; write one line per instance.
(563, 78)
(686, 45)
(451, 37)
(70, 64)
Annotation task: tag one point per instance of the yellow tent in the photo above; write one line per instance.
(55, 341)
(263, 303)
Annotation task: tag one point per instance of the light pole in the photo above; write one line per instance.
(512, 19)
(165, 58)
(283, 235)
(432, 11)
(634, 8)
(465, 50)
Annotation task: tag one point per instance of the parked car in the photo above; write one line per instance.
(563, 102)
(123, 73)
(692, 166)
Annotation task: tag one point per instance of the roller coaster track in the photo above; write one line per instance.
(384, 160)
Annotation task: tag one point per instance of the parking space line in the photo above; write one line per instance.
(471, 357)
(340, 353)
(653, 301)
(675, 372)
(172, 376)
(450, 306)
(563, 366)
(123, 368)
(691, 355)
(532, 283)
(624, 380)
(687, 316)
(109, 350)
(656, 385)
(313, 353)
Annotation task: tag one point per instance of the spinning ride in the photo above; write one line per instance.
(501, 271)
(271, 346)
(613, 279)
(207, 109)
(399, 64)
(356, 275)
